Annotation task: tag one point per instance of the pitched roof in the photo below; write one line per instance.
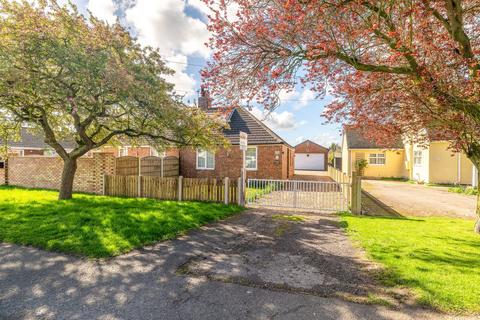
(356, 140)
(314, 144)
(240, 119)
(35, 141)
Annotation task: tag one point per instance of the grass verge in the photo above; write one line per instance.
(439, 258)
(97, 226)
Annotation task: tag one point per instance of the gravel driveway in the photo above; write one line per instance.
(251, 266)
(419, 200)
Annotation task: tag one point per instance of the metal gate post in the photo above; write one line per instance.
(295, 187)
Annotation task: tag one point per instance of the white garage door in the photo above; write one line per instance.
(309, 161)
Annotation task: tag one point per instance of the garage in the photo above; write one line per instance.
(310, 156)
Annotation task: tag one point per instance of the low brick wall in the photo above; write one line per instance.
(46, 172)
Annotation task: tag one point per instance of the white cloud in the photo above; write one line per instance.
(277, 120)
(184, 83)
(305, 98)
(165, 25)
(103, 10)
(286, 95)
(327, 138)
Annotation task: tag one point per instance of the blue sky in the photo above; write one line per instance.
(178, 29)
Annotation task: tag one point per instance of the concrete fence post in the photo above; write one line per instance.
(180, 188)
(356, 193)
(161, 167)
(226, 184)
(241, 192)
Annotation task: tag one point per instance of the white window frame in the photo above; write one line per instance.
(123, 151)
(206, 152)
(256, 158)
(377, 156)
(417, 154)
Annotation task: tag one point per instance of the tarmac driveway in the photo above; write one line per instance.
(419, 200)
(251, 266)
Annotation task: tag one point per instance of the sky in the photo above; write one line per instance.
(178, 29)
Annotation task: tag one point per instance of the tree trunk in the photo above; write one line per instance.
(476, 162)
(68, 174)
(477, 209)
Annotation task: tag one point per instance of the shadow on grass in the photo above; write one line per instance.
(438, 257)
(97, 226)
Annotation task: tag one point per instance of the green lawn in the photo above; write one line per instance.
(439, 258)
(97, 226)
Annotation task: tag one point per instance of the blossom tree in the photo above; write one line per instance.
(397, 67)
(67, 77)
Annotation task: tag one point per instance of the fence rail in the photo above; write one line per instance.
(293, 194)
(199, 189)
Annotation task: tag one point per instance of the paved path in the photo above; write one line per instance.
(251, 266)
(419, 200)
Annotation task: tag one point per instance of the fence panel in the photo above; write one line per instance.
(171, 167)
(126, 166)
(122, 186)
(159, 188)
(151, 166)
(194, 189)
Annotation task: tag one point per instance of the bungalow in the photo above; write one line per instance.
(268, 156)
(432, 162)
(383, 161)
(30, 144)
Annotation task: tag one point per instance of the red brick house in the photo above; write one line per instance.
(310, 156)
(268, 156)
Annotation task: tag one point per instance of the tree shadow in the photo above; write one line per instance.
(145, 283)
(102, 226)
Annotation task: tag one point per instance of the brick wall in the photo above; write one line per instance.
(271, 163)
(46, 172)
(309, 147)
(2, 177)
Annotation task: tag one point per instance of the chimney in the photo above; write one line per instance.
(204, 101)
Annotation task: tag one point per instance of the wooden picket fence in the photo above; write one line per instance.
(353, 193)
(188, 189)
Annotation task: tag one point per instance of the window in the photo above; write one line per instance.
(376, 158)
(123, 151)
(417, 158)
(251, 158)
(205, 160)
(2, 164)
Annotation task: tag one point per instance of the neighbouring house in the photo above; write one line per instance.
(310, 156)
(435, 163)
(268, 156)
(431, 162)
(30, 144)
(383, 161)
